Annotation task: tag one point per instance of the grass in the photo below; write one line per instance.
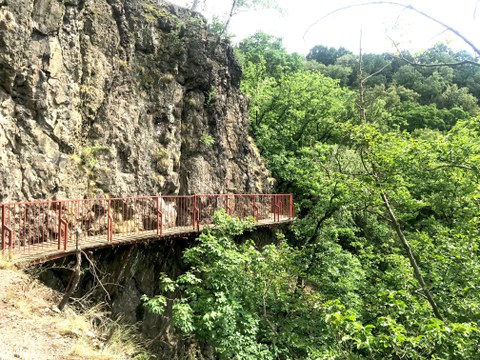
(162, 160)
(6, 262)
(92, 333)
(110, 340)
(74, 325)
(30, 298)
(101, 338)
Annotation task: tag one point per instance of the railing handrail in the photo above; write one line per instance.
(46, 201)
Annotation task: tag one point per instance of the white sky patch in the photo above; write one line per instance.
(380, 25)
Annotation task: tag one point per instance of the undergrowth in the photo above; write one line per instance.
(95, 335)
(101, 338)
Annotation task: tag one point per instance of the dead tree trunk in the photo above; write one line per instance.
(391, 214)
(195, 4)
(75, 279)
(411, 257)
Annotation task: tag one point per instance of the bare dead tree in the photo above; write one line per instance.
(371, 169)
(196, 4)
(361, 86)
(233, 11)
(76, 274)
(77, 270)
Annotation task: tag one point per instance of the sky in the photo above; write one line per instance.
(306, 23)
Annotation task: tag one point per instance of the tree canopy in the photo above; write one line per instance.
(383, 261)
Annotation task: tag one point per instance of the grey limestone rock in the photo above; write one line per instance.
(117, 98)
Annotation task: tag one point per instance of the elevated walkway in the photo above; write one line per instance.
(39, 231)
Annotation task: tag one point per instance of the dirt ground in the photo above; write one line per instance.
(29, 320)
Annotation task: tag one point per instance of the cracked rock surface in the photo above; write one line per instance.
(119, 98)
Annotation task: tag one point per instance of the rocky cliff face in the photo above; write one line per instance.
(117, 98)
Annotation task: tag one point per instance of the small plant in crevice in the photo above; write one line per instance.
(162, 160)
(168, 78)
(124, 65)
(87, 158)
(211, 97)
(152, 12)
(88, 155)
(207, 139)
(191, 102)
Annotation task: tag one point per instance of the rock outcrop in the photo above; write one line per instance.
(117, 98)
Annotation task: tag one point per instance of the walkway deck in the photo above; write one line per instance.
(38, 255)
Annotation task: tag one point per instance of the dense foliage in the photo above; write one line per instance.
(407, 91)
(384, 259)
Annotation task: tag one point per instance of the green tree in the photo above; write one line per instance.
(326, 55)
(337, 72)
(353, 180)
(267, 51)
(248, 303)
(298, 112)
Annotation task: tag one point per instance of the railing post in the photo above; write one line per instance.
(290, 212)
(276, 209)
(109, 223)
(4, 227)
(159, 217)
(62, 225)
(59, 205)
(193, 210)
(227, 206)
(65, 223)
(10, 237)
(254, 207)
(196, 214)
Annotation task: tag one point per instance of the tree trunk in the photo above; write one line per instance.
(411, 257)
(195, 5)
(75, 279)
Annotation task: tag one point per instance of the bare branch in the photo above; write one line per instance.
(460, 63)
(93, 271)
(75, 279)
(361, 90)
(413, 63)
(375, 73)
(403, 6)
(463, 167)
(395, 224)
(406, 245)
(449, 28)
(195, 5)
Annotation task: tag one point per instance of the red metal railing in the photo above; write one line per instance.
(29, 227)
